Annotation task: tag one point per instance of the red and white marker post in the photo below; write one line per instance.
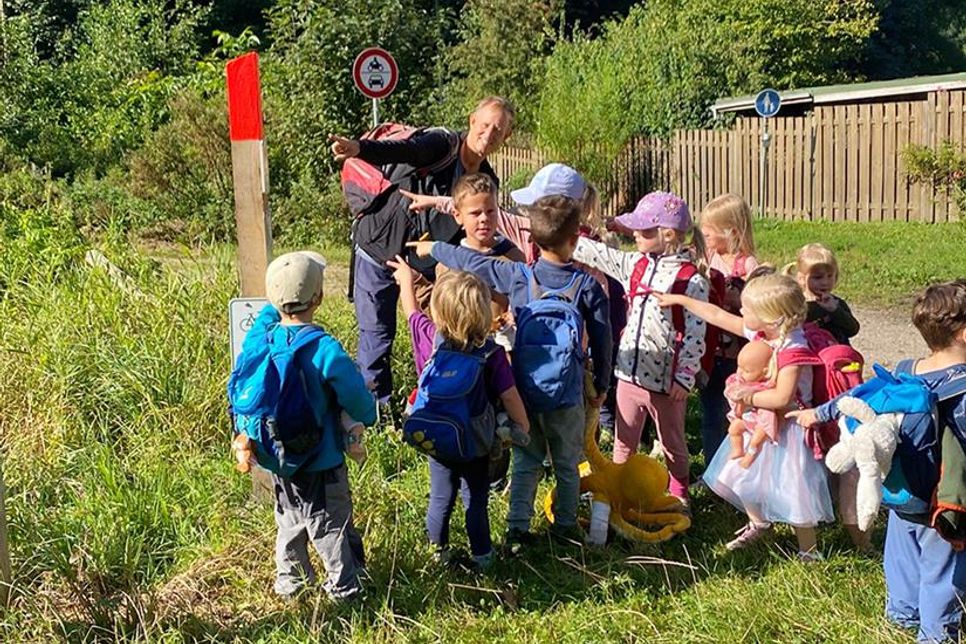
(249, 169)
(375, 74)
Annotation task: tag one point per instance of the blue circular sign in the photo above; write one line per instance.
(767, 103)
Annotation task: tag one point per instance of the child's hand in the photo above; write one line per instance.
(828, 302)
(804, 417)
(668, 299)
(421, 248)
(678, 393)
(424, 202)
(401, 272)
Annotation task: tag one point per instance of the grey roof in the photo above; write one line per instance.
(851, 92)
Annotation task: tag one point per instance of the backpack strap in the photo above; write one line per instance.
(738, 268)
(453, 138)
(307, 334)
(637, 275)
(680, 287)
(907, 366)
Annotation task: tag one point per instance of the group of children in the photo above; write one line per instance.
(689, 290)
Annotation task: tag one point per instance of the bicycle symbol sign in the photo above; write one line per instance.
(242, 312)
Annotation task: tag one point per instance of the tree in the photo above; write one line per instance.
(663, 66)
(501, 47)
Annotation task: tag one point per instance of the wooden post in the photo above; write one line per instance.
(249, 164)
(5, 577)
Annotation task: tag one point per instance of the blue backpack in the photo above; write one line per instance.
(451, 418)
(548, 356)
(911, 485)
(269, 402)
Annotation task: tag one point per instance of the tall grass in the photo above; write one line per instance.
(128, 522)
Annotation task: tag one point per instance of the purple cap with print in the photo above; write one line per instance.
(658, 210)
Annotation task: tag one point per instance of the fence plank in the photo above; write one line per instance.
(890, 174)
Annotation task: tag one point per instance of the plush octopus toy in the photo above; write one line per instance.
(635, 490)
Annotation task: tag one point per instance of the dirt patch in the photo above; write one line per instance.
(887, 336)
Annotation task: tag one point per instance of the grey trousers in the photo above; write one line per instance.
(316, 507)
(561, 431)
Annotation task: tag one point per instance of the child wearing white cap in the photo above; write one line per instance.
(314, 504)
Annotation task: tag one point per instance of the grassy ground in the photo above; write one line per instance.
(881, 264)
(128, 522)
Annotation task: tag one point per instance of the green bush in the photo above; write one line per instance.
(663, 66)
(943, 167)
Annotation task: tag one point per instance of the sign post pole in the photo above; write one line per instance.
(249, 164)
(767, 104)
(375, 113)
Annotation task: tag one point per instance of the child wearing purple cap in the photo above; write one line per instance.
(660, 350)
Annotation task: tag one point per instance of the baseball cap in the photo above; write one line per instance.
(552, 179)
(657, 210)
(293, 280)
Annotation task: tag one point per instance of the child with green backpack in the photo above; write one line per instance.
(290, 392)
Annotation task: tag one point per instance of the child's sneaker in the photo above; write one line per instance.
(569, 535)
(516, 540)
(748, 534)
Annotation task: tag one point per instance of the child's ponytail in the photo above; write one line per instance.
(699, 251)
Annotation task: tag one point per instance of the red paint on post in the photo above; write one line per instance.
(244, 98)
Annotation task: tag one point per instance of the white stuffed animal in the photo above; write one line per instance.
(869, 449)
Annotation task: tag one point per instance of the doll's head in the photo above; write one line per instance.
(753, 361)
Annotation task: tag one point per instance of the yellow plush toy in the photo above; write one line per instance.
(636, 490)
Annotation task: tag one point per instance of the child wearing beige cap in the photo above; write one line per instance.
(313, 503)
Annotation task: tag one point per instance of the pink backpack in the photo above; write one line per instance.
(836, 368)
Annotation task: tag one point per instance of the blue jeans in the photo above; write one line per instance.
(714, 408)
(562, 431)
(375, 295)
(925, 581)
(473, 479)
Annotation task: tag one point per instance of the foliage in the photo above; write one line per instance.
(500, 50)
(662, 67)
(105, 85)
(309, 91)
(184, 169)
(915, 39)
(943, 167)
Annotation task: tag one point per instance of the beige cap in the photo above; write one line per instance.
(293, 280)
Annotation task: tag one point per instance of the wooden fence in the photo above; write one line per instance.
(836, 162)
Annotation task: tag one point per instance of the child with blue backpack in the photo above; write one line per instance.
(463, 374)
(290, 392)
(925, 559)
(551, 302)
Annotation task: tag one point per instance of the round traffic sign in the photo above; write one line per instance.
(767, 103)
(375, 72)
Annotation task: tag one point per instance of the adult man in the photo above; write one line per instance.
(442, 157)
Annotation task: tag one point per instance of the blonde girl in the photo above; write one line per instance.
(817, 272)
(785, 484)
(727, 228)
(460, 306)
(656, 362)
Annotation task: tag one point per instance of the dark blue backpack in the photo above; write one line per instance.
(548, 356)
(452, 418)
(269, 402)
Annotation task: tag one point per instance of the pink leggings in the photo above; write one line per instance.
(633, 406)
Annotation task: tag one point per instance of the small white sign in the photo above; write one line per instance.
(242, 312)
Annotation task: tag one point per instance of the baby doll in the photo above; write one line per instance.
(753, 361)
